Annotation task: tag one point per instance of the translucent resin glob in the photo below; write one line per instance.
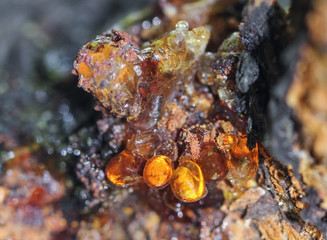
(133, 82)
(158, 171)
(187, 182)
(212, 163)
(123, 169)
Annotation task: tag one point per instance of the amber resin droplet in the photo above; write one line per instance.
(212, 163)
(143, 145)
(244, 159)
(187, 182)
(122, 170)
(158, 171)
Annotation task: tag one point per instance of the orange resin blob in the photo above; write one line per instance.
(212, 163)
(187, 182)
(242, 158)
(243, 165)
(158, 171)
(238, 149)
(122, 170)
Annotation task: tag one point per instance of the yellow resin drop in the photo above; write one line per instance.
(187, 182)
(243, 165)
(158, 171)
(122, 170)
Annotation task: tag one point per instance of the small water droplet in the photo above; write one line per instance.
(146, 24)
(156, 21)
(182, 26)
